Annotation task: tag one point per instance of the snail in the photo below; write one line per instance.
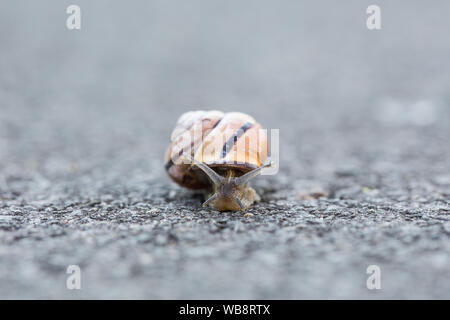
(219, 153)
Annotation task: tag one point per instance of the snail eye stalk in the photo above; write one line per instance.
(252, 174)
(214, 176)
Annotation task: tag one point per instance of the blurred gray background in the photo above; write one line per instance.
(86, 115)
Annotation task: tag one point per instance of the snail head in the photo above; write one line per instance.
(230, 192)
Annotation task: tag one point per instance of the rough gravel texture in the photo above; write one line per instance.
(85, 117)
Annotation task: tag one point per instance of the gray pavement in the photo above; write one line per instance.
(85, 118)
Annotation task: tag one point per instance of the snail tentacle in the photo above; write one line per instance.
(214, 176)
(252, 174)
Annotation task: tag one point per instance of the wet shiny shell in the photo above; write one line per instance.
(221, 140)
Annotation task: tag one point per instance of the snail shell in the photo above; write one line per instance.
(224, 147)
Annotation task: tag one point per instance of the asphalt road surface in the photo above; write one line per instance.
(86, 115)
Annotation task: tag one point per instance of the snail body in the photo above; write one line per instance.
(219, 153)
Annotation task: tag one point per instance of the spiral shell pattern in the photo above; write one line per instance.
(232, 140)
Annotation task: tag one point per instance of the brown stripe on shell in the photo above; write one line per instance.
(233, 139)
